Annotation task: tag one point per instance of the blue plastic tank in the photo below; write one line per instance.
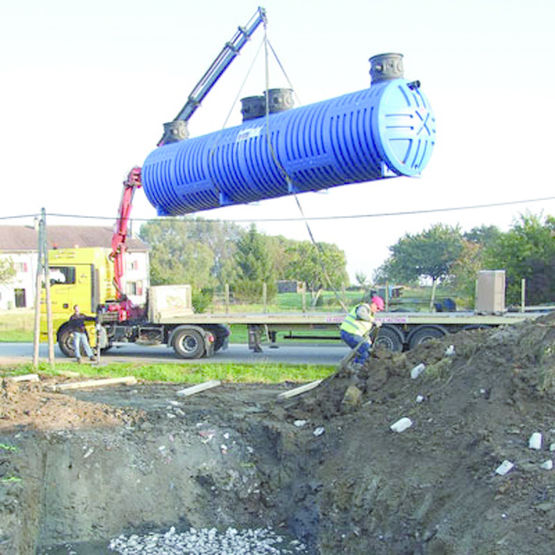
(384, 131)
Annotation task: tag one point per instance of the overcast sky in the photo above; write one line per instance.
(86, 87)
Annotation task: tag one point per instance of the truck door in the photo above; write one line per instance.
(71, 285)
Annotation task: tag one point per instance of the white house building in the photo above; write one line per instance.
(18, 244)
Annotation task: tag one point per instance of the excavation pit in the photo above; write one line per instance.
(323, 469)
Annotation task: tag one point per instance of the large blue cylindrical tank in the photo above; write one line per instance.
(384, 131)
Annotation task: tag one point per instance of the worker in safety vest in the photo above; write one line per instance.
(356, 327)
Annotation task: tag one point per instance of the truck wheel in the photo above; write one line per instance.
(65, 342)
(389, 339)
(427, 333)
(188, 343)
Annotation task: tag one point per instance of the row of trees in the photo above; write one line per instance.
(526, 251)
(210, 254)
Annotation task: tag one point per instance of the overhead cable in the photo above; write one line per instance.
(309, 218)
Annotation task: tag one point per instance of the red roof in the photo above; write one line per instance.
(15, 238)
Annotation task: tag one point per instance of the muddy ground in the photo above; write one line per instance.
(324, 467)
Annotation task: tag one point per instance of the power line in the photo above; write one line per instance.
(309, 218)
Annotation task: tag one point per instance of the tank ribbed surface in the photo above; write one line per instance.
(384, 131)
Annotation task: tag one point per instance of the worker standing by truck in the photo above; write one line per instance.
(77, 326)
(356, 327)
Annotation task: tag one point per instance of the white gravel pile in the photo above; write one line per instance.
(208, 542)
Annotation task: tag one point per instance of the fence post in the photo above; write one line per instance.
(226, 297)
(265, 296)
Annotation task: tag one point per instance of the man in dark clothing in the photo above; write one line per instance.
(77, 326)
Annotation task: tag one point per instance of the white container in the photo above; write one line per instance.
(401, 425)
(417, 370)
(450, 351)
(419, 398)
(504, 467)
(547, 465)
(535, 441)
(318, 431)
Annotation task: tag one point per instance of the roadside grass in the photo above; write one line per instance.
(16, 325)
(184, 373)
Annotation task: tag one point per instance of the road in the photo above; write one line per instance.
(325, 354)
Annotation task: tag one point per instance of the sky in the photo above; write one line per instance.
(86, 87)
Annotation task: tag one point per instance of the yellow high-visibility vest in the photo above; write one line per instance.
(353, 325)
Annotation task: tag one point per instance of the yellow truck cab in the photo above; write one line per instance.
(81, 276)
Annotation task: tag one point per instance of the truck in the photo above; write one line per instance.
(85, 276)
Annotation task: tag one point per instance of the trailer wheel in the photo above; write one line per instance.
(426, 333)
(65, 342)
(188, 343)
(390, 339)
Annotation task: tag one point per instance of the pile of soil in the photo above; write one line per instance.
(33, 405)
(324, 467)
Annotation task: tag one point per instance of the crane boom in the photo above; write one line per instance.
(173, 131)
(177, 128)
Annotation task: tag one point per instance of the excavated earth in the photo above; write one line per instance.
(323, 468)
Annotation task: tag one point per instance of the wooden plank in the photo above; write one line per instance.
(198, 388)
(128, 380)
(299, 390)
(25, 378)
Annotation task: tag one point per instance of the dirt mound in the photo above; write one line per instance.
(33, 405)
(433, 488)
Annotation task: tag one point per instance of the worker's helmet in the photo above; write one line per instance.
(378, 301)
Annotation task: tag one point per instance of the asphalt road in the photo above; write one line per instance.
(305, 353)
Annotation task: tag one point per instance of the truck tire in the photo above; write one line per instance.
(65, 342)
(188, 343)
(425, 333)
(390, 339)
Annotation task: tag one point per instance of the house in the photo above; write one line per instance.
(19, 245)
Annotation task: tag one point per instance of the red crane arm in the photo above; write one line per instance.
(119, 238)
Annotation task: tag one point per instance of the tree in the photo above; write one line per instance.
(7, 270)
(254, 266)
(483, 235)
(319, 266)
(526, 251)
(362, 280)
(174, 257)
(431, 253)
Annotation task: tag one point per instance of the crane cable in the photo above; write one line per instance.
(319, 250)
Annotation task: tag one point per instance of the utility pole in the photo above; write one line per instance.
(43, 276)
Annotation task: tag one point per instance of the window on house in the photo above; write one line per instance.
(21, 267)
(132, 288)
(20, 300)
(134, 265)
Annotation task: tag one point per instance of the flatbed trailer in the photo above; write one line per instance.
(399, 330)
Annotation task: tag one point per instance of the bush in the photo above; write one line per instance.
(201, 300)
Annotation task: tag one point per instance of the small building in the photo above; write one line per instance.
(289, 286)
(19, 245)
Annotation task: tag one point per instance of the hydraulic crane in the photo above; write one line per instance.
(175, 130)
